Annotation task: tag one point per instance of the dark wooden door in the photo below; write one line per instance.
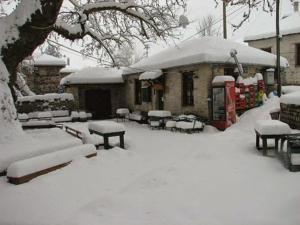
(98, 102)
(160, 95)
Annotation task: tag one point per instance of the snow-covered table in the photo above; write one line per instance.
(108, 129)
(270, 129)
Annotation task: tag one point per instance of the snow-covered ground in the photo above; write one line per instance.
(164, 178)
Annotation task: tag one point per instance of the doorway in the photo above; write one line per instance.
(98, 102)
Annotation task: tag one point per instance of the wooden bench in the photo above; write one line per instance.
(108, 129)
(74, 132)
(270, 129)
(25, 170)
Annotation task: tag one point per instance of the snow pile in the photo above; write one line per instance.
(48, 60)
(159, 113)
(106, 127)
(250, 80)
(94, 75)
(150, 75)
(38, 163)
(189, 125)
(205, 50)
(222, 79)
(292, 98)
(272, 127)
(122, 111)
(60, 113)
(290, 89)
(265, 28)
(47, 97)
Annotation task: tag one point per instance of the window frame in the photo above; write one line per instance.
(137, 92)
(297, 54)
(188, 88)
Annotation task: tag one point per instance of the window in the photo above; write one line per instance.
(187, 89)
(269, 49)
(146, 93)
(297, 56)
(137, 92)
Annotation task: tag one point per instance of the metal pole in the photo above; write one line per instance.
(278, 48)
(224, 20)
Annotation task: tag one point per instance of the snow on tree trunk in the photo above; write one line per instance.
(9, 126)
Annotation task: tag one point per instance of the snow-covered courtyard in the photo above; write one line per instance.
(162, 178)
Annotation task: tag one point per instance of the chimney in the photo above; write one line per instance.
(296, 6)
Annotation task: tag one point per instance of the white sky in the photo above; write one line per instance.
(197, 9)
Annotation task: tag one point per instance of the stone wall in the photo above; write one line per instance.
(290, 114)
(45, 105)
(45, 79)
(288, 50)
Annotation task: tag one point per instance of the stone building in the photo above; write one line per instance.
(45, 76)
(96, 90)
(264, 38)
(181, 76)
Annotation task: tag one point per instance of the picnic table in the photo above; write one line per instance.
(270, 129)
(108, 129)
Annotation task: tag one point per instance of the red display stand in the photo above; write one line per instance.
(223, 104)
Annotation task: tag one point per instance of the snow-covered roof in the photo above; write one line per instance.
(205, 50)
(266, 28)
(150, 75)
(94, 75)
(48, 60)
(68, 70)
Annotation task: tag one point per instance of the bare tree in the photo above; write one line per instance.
(102, 25)
(127, 56)
(206, 26)
(265, 5)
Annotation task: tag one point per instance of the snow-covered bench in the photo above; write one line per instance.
(25, 170)
(270, 129)
(108, 129)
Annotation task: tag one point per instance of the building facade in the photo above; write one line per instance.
(264, 39)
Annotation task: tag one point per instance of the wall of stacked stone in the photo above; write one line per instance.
(45, 103)
(290, 114)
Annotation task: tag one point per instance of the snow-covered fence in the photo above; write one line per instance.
(47, 102)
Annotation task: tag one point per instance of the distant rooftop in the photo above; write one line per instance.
(205, 50)
(289, 24)
(48, 60)
(94, 75)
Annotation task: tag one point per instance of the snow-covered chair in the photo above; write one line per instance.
(171, 125)
(61, 116)
(82, 116)
(23, 171)
(22, 117)
(75, 116)
(270, 129)
(122, 114)
(136, 116)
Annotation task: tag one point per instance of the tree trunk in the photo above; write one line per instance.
(32, 34)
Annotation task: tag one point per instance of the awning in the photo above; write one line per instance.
(150, 75)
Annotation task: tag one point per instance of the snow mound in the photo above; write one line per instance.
(292, 98)
(48, 60)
